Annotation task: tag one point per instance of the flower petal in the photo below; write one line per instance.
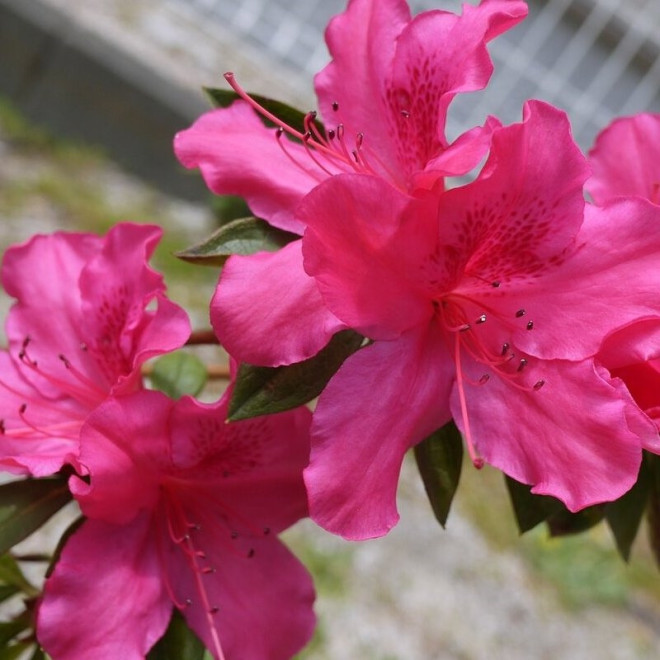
(268, 311)
(577, 438)
(365, 253)
(626, 159)
(360, 432)
(106, 597)
(264, 600)
(238, 155)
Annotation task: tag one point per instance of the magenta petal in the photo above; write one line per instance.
(383, 400)
(268, 311)
(577, 438)
(238, 155)
(106, 598)
(364, 257)
(252, 607)
(626, 159)
(616, 267)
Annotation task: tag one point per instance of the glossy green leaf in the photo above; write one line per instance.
(266, 390)
(17, 651)
(439, 459)
(12, 576)
(223, 98)
(10, 629)
(38, 654)
(653, 505)
(26, 505)
(179, 373)
(529, 509)
(178, 643)
(624, 515)
(242, 236)
(564, 522)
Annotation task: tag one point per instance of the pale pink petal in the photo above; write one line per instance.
(254, 602)
(599, 288)
(106, 598)
(577, 438)
(366, 254)
(238, 155)
(383, 400)
(268, 311)
(626, 159)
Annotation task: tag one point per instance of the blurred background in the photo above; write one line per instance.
(91, 94)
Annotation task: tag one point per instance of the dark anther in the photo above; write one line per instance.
(539, 384)
(530, 325)
(67, 364)
(83, 346)
(522, 365)
(495, 284)
(279, 132)
(505, 348)
(250, 553)
(187, 602)
(207, 570)
(478, 463)
(335, 106)
(307, 136)
(331, 135)
(520, 312)
(214, 610)
(405, 114)
(359, 139)
(26, 341)
(312, 114)
(484, 379)
(481, 319)
(2, 426)
(355, 156)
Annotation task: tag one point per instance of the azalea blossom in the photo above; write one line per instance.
(626, 162)
(486, 304)
(626, 159)
(385, 94)
(182, 510)
(383, 97)
(83, 323)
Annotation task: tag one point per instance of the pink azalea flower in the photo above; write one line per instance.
(182, 510)
(80, 329)
(485, 304)
(384, 99)
(626, 160)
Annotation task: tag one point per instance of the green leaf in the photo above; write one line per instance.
(26, 505)
(528, 508)
(10, 629)
(564, 522)
(624, 515)
(653, 507)
(266, 390)
(7, 591)
(439, 459)
(242, 236)
(38, 654)
(17, 651)
(223, 98)
(12, 576)
(178, 643)
(179, 373)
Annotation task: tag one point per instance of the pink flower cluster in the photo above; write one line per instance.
(510, 304)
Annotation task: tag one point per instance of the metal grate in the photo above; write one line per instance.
(595, 58)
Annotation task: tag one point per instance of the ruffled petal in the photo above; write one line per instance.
(366, 254)
(626, 159)
(238, 155)
(268, 311)
(254, 603)
(361, 431)
(106, 597)
(577, 438)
